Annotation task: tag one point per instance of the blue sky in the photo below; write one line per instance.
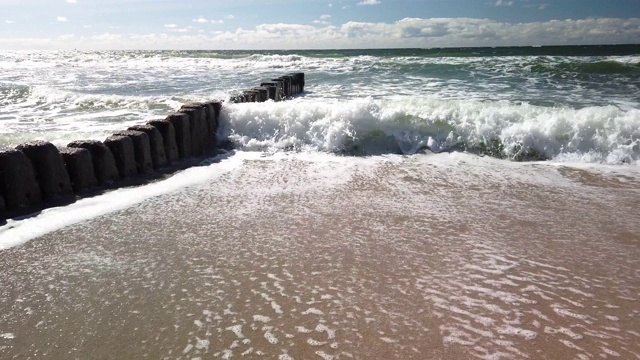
(287, 24)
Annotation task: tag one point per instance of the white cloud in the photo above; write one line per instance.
(170, 26)
(543, 6)
(9, 21)
(275, 31)
(323, 20)
(201, 20)
(229, 17)
(330, 5)
(72, 1)
(107, 37)
(182, 30)
(368, 2)
(408, 32)
(217, 21)
(503, 3)
(62, 19)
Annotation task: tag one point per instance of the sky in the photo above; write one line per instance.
(312, 24)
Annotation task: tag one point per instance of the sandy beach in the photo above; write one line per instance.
(448, 256)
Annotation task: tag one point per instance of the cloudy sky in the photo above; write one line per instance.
(302, 24)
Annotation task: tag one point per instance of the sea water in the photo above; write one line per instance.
(444, 203)
(318, 256)
(575, 104)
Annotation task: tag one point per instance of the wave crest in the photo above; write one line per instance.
(408, 125)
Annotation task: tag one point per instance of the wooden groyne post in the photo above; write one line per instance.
(278, 89)
(37, 174)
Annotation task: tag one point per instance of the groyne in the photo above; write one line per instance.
(37, 175)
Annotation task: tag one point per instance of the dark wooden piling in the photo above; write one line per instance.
(284, 90)
(156, 144)
(182, 127)
(3, 210)
(213, 113)
(79, 165)
(263, 93)
(122, 149)
(37, 174)
(251, 95)
(18, 184)
(288, 89)
(274, 88)
(104, 164)
(199, 130)
(50, 171)
(168, 139)
(141, 150)
(299, 80)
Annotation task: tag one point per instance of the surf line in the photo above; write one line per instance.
(37, 175)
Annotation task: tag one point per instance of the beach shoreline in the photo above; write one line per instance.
(320, 256)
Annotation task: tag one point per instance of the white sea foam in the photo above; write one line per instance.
(376, 104)
(237, 330)
(627, 59)
(61, 116)
(261, 318)
(314, 342)
(510, 330)
(331, 333)
(408, 124)
(312, 311)
(324, 355)
(17, 232)
(268, 334)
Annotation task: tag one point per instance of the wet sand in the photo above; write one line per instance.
(423, 257)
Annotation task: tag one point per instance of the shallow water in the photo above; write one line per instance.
(323, 256)
(355, 221)
(575, 104)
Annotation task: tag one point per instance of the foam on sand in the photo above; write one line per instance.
(17, 232)
(443, 255)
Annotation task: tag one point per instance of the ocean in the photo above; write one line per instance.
(577, 104)
(473, 203)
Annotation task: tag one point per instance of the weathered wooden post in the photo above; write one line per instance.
(198, 120)
(288, 86)
(182, 127)
(168, 138)
(284, 87)
(50, 171)
(299, 78)
(156, 144)
(213, 112)
(18, 184)
(273, 89)
(122, 149)
(141, 150)
(104, 165)
(79, 165)
(263, 93)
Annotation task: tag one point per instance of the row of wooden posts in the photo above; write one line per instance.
(38, 175)
(277, 89)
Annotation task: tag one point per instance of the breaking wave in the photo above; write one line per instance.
(406, 125)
